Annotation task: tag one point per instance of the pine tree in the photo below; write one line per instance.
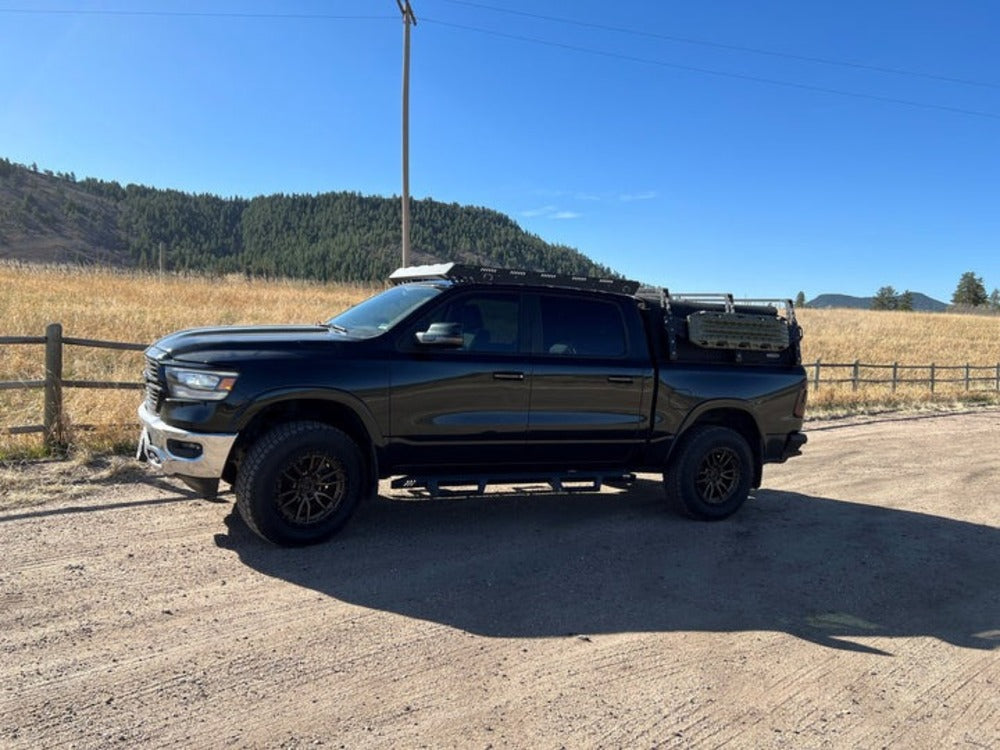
(885, 299)
(905, 302)
(970, 291)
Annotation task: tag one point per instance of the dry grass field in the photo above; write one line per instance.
(132, 308)
(909, 339)
(141, 308)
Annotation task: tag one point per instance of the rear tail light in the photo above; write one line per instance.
(800, 403)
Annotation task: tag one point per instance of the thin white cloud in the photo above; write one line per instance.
(551, 212)
(647, 195)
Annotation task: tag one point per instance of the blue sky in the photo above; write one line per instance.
(758, 147)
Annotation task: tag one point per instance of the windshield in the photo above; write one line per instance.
(383, 311)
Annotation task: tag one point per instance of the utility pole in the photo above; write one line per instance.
(408, 19)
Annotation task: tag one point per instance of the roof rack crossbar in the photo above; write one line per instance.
(458, 273)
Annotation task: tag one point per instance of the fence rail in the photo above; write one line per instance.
(53, 421)
(937, 375)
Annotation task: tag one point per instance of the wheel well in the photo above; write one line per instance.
(744, 424)
(313, 410)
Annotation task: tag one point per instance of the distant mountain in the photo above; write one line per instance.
(921, 302)
(48, 217)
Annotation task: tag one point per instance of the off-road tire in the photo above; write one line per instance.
(299, 483)
(709, 475)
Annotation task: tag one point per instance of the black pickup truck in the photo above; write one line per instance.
(459, 376)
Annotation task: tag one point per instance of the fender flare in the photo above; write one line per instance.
(742, 406)
(277, 396)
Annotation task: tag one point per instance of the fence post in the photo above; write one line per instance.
(966, 376)
(895, 372)
(857, 374)
(53, 388)
(998, 376)
(932, 377)
(816, 379)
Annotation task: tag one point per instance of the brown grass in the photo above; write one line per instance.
(142, 308)
(909, 339)
(133, 308)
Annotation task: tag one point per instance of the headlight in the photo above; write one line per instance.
(199, 385)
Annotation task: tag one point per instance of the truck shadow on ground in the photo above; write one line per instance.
(546, 566)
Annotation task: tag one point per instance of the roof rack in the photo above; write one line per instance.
(462, 274)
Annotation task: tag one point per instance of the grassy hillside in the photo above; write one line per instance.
(141, 308)
(55, 218)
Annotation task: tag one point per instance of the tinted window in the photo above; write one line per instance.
(381, 312)
(489, 321)
(582, 327)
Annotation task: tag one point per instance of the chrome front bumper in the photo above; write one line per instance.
(177, 451)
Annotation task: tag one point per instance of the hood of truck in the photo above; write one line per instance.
(219, 344)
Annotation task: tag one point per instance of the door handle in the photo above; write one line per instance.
(508, 376)
(619, 379)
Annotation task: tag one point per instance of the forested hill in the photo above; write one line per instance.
(54, 218)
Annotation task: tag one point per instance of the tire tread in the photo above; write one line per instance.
(675, 477)
(260, 452)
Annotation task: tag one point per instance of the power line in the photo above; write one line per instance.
(731, 47)
(720, 73)
(571, 47)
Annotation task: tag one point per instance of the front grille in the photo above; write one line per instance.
(154, 385)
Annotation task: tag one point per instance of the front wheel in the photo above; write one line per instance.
(299, 483)
(709, 476)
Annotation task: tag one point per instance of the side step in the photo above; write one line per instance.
(476, 484)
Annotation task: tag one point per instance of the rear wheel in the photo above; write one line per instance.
(299, 483)
(709, 476)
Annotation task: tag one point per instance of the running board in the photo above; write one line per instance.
(476, 484)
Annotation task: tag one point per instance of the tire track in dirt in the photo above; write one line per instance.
(263, 612)
(525, 621)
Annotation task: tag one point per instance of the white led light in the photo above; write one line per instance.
(199, 385)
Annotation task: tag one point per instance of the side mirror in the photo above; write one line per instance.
(442, 334)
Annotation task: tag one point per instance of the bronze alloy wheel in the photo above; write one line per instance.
(718, 475)
(299, 483)
(709, 475)
(310, 488)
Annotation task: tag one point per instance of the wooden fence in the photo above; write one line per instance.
(968, 376)
(53, 422)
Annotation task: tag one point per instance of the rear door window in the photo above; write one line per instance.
(576, 326)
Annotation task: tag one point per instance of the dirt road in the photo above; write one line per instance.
(854, 602)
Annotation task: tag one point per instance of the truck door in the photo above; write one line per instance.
(455, 407)
(587, 382)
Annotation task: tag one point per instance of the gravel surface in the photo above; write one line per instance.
(853, 602)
